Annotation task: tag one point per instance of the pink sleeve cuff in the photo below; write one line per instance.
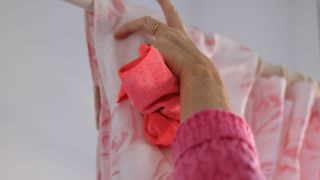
(210, 124)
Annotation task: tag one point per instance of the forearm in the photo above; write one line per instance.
(214, 144)
(200, 88)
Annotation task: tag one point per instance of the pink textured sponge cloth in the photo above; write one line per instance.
(154, 91)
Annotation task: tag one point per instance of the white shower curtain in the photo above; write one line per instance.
(284, 118)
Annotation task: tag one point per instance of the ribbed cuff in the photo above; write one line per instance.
(207, 125)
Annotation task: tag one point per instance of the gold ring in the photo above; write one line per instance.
(155, 27)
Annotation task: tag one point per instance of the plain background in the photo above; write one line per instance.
(47, 128)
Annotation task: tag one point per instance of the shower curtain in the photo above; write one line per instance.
(284, 118)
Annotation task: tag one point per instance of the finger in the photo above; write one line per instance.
(145, 24)
(172, 15)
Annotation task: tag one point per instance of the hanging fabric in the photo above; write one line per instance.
(285, 119)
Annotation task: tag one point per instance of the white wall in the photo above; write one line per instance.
(47, 129)
(305, 38)
(47, 126)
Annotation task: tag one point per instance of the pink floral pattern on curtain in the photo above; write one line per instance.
(285, 119)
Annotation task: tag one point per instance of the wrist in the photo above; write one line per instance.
(201, 88)
(195, 72)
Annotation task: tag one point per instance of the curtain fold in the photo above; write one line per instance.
(284, 117)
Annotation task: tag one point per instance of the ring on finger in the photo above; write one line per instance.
(155, 27)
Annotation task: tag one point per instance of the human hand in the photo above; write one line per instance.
(179, 52)
(200, 83)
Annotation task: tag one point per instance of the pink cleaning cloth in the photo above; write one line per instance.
(154, 91)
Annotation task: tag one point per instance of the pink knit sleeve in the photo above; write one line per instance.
(214, 144)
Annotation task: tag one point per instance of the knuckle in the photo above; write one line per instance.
(173, 10)
(146, 19)
(178, 32)
(172, 35)
(167, 34)
(160, 40)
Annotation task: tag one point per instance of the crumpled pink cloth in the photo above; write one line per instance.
(154, 91)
